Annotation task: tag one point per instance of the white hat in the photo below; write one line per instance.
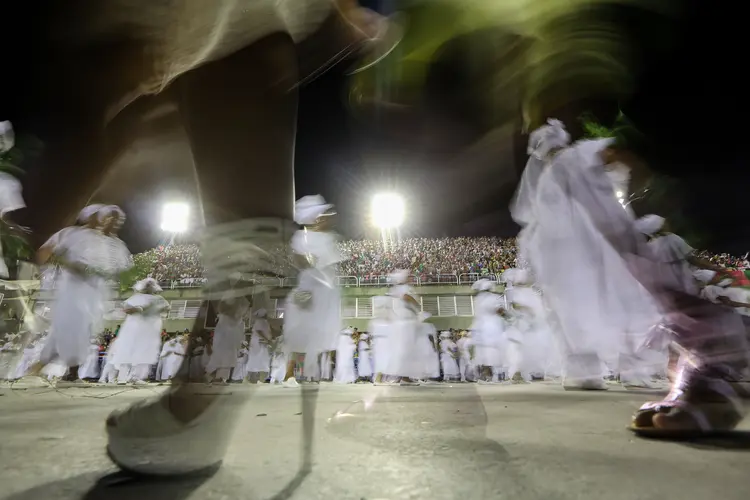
(547, 137)
(7, 136)
(89, 211)
(147, 283)
(483, 285)
(399, 276)
(649, 224)
(309, 208)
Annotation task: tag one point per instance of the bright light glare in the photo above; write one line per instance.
(388, 210)
(620, 194)
(174, 217)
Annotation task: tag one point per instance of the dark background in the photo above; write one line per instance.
(688, 102)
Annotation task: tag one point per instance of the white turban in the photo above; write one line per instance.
(547, 137)
(649, 224)
(399, 276)
(89, 211)
(147, 283)
(309, 208)
(7, 137)
(483, 285)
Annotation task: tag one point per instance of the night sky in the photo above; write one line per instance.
(688, 101)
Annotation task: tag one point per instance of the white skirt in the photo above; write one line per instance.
(313, 327)
(228, 337)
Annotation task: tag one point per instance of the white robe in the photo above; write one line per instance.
(173, 354)
(258, 358)
(427, 353)
(79, 299)
(345, 373)
(313, 327)
(364, 363)
(240, 370)
(404, 329)
(139, 340)
(90, 369)
(228, 335)
(488, 331)
(447, 362)
(466, 365)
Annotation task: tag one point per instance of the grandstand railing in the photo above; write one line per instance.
(352, 281)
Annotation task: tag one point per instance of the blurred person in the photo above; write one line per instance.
(258, 357)
(364, 364)
(344, 372)
(404, 330)
(90, 369)
(466, 365)
(228, 334)
(379, 328)
(427, 350)
(488, 330)
(313, 319)
(138, 345)
(448, 355)
(239, 374)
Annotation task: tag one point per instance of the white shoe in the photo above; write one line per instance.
(146, 439)
(290, 383)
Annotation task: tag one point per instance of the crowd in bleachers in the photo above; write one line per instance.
(365, 258)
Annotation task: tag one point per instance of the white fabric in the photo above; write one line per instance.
(447, 362)
(313, 327)
(488, 330)
(172, 356)
(240, 371)
(399, 276)
(10, 194)
(228, 334)
(649, 224)
(29, 358)
(109, 373)
(364, 363)
(309, 208)
(427, 352)
(258, 358)
(672, 252)
(7, 136)
(466, 365)
(483, 285)
(139, 339)
(90, 368)
(576, 253)
(344, 372)
(147, 283)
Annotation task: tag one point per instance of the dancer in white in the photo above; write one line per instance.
(326, 364)
(465, 347)
(379, 327)
(109, 372)
(239, 374)
(427, 350)
(574, 214)
(313, 319)
(138, 344)
(88, 258)
(364, 363)
(278, 360)
(404, 330)
(172, 354)
(228, 336)
(448, 355)
(90, 369)
(344, 372)
(489, 330)
(258, 357)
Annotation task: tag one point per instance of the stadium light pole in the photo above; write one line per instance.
(387, 212)
(174, 218)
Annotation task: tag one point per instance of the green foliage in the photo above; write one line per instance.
(142, 265)
(622, 129)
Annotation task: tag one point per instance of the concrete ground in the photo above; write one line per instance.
(431, 442)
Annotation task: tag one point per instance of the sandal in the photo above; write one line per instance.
(706, 407)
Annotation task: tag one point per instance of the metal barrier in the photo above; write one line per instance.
(354, 281)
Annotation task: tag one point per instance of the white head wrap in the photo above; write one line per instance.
(118, 212)
(309, 208)
(364, 336)
(7, 136)
(547, 137)
(515, 276)
(424, 316)
(483, 285)
(445, 335)
(399, 276)
(704, 275)
(260, 313)
(725, 282)
(590, 150)
(10, 193)
(649, 224)
(89, 211)
(146, 284)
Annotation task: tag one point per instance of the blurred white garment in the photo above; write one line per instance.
(173, 354)
(10, 200)
(90, 369)
(240, 370)
(139, 339)
(427, 352)
(577, 253)
(344, 372)
(80, 297)
(364, 362)
(404, 329)
(448, 363)
(228, 334)
(488, 330)
(313, 321)
(258, 356)
(465, 362)
(325, 366)
(29, 358)
(109, 372)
